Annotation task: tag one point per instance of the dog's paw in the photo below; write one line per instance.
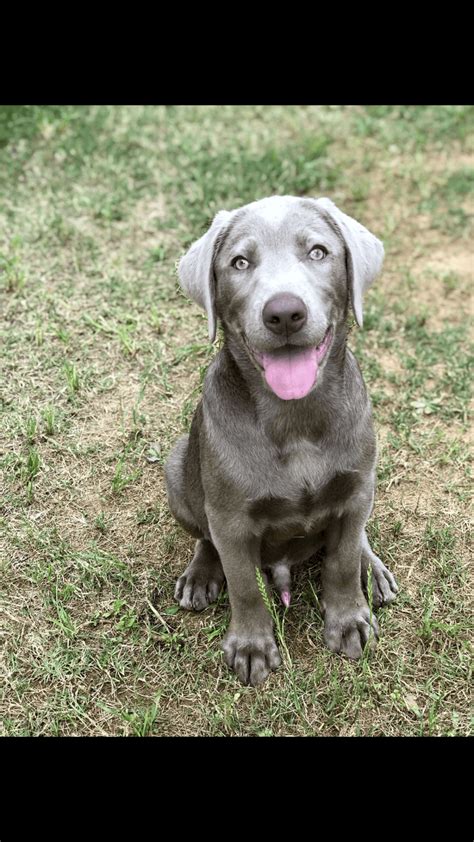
(384, 586)
(350, 630)
(197, 589)
(251, 656)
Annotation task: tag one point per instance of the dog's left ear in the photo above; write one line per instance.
(365, 253)
(196, 270)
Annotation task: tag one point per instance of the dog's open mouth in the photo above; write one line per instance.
(291, 372)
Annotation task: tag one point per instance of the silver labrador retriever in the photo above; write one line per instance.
(280, 459)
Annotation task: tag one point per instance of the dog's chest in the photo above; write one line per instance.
(304, 486)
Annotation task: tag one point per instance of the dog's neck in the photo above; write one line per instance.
(294, 417)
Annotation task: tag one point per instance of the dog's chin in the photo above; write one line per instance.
(292, 371)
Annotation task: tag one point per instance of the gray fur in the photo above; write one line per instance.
(262, 481)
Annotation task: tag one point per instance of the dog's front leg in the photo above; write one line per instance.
(249, 645)
(348, 623)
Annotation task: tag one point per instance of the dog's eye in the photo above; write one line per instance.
(318, 253)
(240, 263)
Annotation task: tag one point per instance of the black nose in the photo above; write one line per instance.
(284, 313)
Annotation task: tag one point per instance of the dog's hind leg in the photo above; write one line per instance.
(203, 578)
(176, 488)
(384, 586)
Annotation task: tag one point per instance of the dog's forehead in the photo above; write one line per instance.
(274, 209)
(286, 215)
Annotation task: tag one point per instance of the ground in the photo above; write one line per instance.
(103, 359)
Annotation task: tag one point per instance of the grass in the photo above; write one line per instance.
(103, 361)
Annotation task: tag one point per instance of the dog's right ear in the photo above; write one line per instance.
(196, 270)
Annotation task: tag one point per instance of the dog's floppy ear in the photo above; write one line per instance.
(364, 253)
(196, 270)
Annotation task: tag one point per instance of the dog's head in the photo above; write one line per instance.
(279, 273)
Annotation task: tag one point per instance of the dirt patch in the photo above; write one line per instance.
(444, 286)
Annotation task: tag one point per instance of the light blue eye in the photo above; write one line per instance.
(318, 253)
(240, 263)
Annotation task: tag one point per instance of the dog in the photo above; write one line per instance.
(280, 457)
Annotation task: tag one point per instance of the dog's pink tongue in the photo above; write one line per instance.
(291, 374)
